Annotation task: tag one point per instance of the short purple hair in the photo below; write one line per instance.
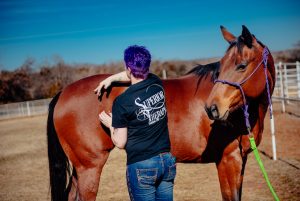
(138, 59)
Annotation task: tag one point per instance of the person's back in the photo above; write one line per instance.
(139, 124)
(143, 104)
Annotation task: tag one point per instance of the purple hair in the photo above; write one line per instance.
(138, 59)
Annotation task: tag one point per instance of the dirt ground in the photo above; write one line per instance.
(24, 166)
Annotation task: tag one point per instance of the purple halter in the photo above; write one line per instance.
(239, 86)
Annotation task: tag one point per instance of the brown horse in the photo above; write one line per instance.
(78, 145)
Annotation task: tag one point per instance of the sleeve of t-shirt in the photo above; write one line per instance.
(119, 119)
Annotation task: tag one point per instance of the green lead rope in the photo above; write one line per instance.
(258, 159)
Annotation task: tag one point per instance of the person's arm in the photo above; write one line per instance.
(118, 135)
(119, 77)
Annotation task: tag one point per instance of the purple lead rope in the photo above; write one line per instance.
(265, 59)
(239, 86)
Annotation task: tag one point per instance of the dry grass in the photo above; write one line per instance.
(24, 166)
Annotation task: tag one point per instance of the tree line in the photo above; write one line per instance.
(29, 82)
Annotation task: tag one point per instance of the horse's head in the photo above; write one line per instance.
(242, 66)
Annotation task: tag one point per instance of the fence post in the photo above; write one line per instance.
(298, 77)
(286, 89)
(7, 111)
(28, 108)
(22, 112)
(164, 74)
(273, 136)
(272, 123)
(281, 87)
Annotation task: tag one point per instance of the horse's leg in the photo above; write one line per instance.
(231, 172)
(89, 178)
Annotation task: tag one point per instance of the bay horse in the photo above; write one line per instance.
(78, 145)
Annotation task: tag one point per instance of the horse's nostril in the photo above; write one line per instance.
(214, 111)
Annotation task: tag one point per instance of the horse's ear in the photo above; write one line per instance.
(247, 37)
(229, 37)
(254, 40)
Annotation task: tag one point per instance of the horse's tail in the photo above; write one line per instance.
(59, 166)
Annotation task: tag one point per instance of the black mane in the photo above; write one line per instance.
(237, 42)
(202, 71)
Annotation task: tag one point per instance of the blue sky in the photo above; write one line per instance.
(97, 32)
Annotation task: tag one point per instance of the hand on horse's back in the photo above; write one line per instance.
(103, 84)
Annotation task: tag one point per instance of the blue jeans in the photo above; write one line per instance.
(152, 179)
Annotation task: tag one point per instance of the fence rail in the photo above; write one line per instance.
(287, 87)
(287, 90)
(287, 80)
(22, 109)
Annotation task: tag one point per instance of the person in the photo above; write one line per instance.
(138, 123)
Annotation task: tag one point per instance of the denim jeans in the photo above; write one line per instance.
(152, 179)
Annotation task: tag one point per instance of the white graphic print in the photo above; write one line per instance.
(153, 108)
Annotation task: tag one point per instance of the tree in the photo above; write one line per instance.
(295, 54)
(14, 86)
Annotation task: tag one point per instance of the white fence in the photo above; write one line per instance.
(288, 80)
(287, 88)
(22, 109)
(287, 91)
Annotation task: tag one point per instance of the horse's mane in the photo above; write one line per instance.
(202, 71)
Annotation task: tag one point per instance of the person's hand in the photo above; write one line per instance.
(103, 84)
(106, 119)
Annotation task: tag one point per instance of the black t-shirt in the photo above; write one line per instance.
(141, 108)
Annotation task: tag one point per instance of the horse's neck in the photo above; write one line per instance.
(199, 86)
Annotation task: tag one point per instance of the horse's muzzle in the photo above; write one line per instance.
(212, 112)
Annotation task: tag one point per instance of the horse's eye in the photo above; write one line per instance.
(241, 67)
